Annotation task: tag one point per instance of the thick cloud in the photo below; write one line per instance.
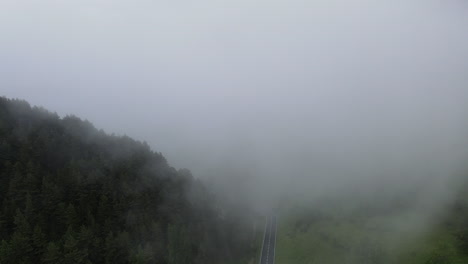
(298, 94)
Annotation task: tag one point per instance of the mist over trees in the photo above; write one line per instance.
(347, 118)
(70, 193)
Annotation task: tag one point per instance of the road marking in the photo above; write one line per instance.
(263, 240)
(276, 231)
(269, 244)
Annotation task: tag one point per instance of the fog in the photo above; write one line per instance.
(273, 97)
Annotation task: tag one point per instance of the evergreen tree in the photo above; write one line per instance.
(53, 254)
(71, 217)
(72, 251)
(38, 242)
(6, 254)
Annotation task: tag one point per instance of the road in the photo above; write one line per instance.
(269, 241)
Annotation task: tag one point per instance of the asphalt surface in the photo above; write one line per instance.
(269, 241)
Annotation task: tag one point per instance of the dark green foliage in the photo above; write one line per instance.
(460, 214)
(70, 193)
(179, 245)
(38, 242)
(6, 252)
(52, 254)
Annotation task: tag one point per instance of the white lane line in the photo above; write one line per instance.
(269, 242)
(263, 241)
(276, 231)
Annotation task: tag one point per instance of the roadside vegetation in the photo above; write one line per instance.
(70, 194)
(347, 231)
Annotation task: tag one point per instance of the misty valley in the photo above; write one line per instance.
(234, 132)
(73, 194)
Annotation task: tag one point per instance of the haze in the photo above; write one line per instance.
(296, 95)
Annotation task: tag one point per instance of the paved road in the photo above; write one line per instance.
(269, 242)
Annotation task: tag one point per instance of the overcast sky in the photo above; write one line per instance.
(287, 89)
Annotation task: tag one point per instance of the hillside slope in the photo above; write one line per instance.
(70, 193)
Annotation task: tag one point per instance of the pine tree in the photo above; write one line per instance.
(21, 243)
(71, 217)
(38, 242)
(140, 256)
(159, 242)
(52, 254)
(73, 254)
(179, 246)
(112, 249)
(29, 209)
(21, 246)
(3, 222)
(5, 253)
(21, 223)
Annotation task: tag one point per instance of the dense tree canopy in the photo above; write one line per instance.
(70, 193)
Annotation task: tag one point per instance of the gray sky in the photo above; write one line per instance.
(325, 91)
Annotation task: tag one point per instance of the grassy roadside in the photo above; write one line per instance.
(256, 244)
(329, 235)
(259, 233)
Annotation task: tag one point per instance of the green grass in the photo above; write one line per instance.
(256, 245)
(329, 235)
(258, 242)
